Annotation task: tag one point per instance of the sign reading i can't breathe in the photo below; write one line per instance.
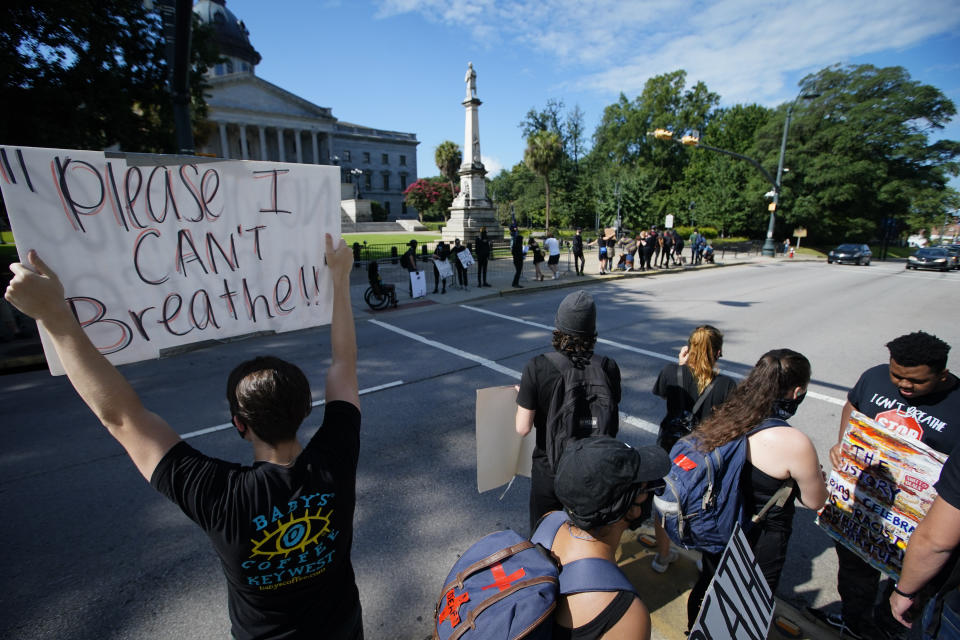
(161, 251)
(739, 603)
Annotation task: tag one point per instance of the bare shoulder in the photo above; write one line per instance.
(634, 624)
(784, 438)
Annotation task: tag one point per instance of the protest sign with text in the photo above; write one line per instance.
(160, 251)
(880, 493)
(738, 603)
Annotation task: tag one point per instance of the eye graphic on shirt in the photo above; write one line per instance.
(293, 536)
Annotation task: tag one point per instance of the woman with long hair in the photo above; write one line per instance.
(692, 388)
(777, 455)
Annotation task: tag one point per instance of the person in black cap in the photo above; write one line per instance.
(602, 484)
(575, 336)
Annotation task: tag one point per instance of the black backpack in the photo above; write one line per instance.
(581, 406)
(684, 422)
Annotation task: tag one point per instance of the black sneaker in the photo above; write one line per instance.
(836, 622)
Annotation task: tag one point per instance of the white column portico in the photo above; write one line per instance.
(313, 143)
(263, 142)
(282, 154)
(297, 134)
(244, 152)
(224, 147)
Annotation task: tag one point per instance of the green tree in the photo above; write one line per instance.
(543, 154)
(90, 75)
(448, 159)
(860, 153)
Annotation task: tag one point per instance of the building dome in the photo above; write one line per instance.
(231, 35)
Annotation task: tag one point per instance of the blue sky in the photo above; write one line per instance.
(400, 64)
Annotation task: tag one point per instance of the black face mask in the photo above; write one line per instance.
(646, 509)
(786, 408)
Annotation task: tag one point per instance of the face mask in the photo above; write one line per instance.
(646, 509)
(785, 408)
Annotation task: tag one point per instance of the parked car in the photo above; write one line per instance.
(852, 253)
(930, 258)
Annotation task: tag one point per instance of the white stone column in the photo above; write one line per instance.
(263, 143)
(316, 151)
(244, 153)
(297, 133)
(224, 146)
(280, 150)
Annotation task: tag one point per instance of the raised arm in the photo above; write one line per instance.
(342, 375)
(37, 292)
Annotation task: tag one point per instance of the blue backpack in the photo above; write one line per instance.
(702, 502)
(505, 587)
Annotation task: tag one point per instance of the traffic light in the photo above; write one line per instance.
(690, 141)
(663, 134)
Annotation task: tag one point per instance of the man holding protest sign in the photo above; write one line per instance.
(283, 528)
(917, 396)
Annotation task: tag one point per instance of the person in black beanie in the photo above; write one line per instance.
(574, 338)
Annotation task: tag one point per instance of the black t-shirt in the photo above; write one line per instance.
(934, 419)
(578, 244)
(682, 398)
(536, 389)
(283, 534)
(948, 486)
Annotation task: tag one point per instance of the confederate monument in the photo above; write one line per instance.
(472, 209)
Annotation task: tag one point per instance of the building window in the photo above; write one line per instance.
(366, 157)
(403, 207)
(346, 156)
(403, 181)
(386, 205)
(384, 158)
(403, 160)
(386, 182)
(368, 180)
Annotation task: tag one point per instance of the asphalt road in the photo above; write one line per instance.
(90, 551)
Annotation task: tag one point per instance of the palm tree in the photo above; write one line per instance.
(448, 159)
(543, 154)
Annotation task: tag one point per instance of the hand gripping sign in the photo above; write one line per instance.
(157, 252)
(882, 489)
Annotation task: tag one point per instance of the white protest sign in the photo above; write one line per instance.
(466, 258)
(444, 268)
(418, 284)
(738, 604)
(501, 452)
(161, 251)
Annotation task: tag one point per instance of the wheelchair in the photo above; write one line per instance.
(378, 295)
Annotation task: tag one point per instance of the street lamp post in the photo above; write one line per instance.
(769, 249)
(356, 173)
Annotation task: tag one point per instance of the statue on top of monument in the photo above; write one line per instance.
(471, 80)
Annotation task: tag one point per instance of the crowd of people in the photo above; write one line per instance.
(713, 410)
(602, 486)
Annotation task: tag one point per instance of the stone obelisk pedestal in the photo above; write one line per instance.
(472, 209)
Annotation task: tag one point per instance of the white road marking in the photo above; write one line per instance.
(227, 425)
(645, 352)
(625, 418)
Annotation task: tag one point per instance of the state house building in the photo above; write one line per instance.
(256, 120)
